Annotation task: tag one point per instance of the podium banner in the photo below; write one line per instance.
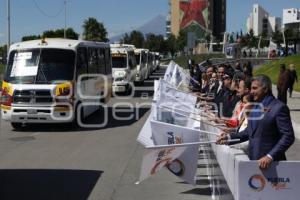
(281, 181)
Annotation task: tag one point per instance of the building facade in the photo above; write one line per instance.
(291, 19)
(198, 16)
(261, 22)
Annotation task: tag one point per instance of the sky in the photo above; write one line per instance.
(32, 17)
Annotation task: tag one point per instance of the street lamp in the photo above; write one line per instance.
(65, 29)
(8, 25)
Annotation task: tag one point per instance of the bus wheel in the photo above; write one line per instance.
(17, 126)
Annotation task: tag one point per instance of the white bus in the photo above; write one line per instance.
(141, 57)
(157, 60)
(123, 67)
(48, 80)
(151, 62)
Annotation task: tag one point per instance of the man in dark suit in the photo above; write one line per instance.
(269, 131)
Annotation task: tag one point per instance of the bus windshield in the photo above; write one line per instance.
(119, 62)
(40, 66)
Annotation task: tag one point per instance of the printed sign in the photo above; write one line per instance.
(21, 67)
(280, 181)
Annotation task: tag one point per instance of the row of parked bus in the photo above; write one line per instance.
(62, 81)
(131, 66)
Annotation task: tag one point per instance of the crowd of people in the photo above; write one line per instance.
(247, 108)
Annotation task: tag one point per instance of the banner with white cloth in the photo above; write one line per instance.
(145, 135)
(156, 95)
(173, 106)
(176, 76)
(185, 166)
(155, 159)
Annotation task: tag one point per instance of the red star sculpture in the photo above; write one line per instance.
(193, 12)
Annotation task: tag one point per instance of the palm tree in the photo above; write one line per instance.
(94, 30)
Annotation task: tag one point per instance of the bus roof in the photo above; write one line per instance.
(140, 50)
(122, 45)
(121, 50)
(56, 43)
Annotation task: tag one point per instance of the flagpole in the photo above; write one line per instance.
(166, 107)
(198, 120)
(187, 144)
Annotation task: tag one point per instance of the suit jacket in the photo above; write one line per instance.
(273, 134)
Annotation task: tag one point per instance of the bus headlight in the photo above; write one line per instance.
(120, 74)
(6, 99)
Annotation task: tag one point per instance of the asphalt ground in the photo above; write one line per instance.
(58, 162)
(54, 162)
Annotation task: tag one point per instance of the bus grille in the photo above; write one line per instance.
(32, 96)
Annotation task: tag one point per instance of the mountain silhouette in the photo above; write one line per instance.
(157, 26)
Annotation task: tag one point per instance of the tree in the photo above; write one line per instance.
(71, 34)
(151, 42)
(277, 37)
(30, 37)
(171, 44)
(3, 53)
(59, 33)
(181, 40)
(265, 41)
(126, 39)
(231, 38)
(137, 39)
(252, 40)
(94, 30)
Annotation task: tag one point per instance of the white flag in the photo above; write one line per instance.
(176, 76)
(170, 94)
(169, 71)
(174, 106)
(156, 95)
(145, 135)
(155, 159)
(185, 166)
(185, 80)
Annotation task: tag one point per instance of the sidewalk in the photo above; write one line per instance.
(294, 105)
(293, 153)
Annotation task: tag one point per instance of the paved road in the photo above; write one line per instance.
(54, 162)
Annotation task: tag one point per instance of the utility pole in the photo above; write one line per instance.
(65, 29)
(8, 25)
